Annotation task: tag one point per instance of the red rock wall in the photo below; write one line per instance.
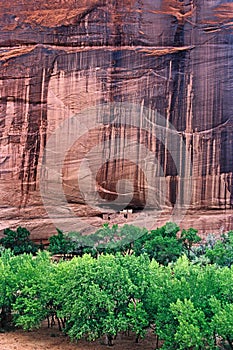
(174, 58)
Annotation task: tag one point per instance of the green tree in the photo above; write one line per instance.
(107, 240)
(160, 244)
(182, 281)
(18, 241)
(6, 286)
(31, 289)
(163, 249)
(189, 238)
(222, 321)
(104, 298)
(222, 251)
(60, 244)
(192, 331)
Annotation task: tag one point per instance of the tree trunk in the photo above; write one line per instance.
(5, 316)
(230, 342)
(110, 340)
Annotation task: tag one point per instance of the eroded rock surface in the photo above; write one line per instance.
(168, 58)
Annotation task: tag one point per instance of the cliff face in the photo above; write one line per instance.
(169, 58)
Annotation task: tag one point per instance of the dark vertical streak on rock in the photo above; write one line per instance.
(37, 124)
(178, 101)
(2, 116)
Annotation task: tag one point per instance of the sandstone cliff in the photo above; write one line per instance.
(171, 58)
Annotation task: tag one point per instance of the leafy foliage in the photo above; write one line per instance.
(131, 280)
(31, 289)
(222, 251)
(60, 244)
(160, 244)
(18, 241)
(189, 238)
(188, 306)
(192, 329)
